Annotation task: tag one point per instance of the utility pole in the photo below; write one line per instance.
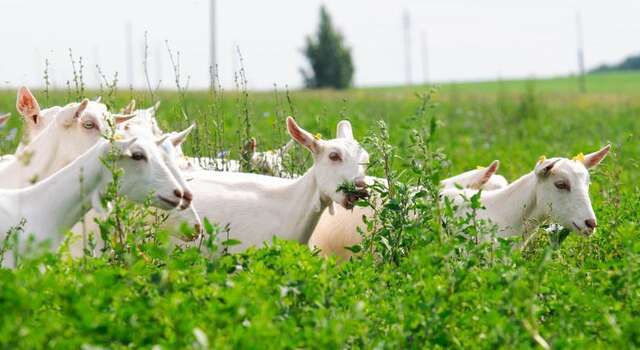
(582, 83)
(212, 38)
(129, 51)
(425, 59)
(406, 21)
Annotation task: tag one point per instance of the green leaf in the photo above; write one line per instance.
(230, 242)
(208, 228)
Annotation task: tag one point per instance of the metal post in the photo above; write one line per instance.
(407, 46)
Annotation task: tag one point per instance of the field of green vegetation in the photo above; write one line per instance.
(430, 289)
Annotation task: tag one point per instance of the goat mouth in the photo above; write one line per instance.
(185, 205)
(353, 197)
(172, 203)
(584, 232)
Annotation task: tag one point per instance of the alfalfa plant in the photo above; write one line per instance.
(78, 77)
(129, 229)
(10, 241)
(242, 103)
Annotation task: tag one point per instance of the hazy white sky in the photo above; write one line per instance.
(466, 39)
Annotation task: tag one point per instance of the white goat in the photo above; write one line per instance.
(55, 204)
(557, 189)
(36, 120)
(257, 208)
(167, 145)
(335, 232)
(74, 129)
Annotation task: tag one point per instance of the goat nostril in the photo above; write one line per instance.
(178, 193)
(188, 196)
(591, 223)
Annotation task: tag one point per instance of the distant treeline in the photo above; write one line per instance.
(630, 63)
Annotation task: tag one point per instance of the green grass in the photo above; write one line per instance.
(585, 293)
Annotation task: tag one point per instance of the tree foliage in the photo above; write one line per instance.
(329, 58)
(629, 63)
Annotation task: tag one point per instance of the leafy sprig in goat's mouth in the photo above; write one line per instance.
(352, 193)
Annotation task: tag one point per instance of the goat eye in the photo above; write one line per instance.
(334, 156)
(561, 185)
(88, 125)
(137, 156)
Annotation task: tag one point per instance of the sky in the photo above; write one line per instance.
(464, 40)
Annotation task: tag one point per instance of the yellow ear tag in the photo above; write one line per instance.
(579, 157)
(542, 159)
(118, 137)
(317, 136)
(478, 167)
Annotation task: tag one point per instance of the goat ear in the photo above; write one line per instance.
(71, 113)
(123, 145)
(179, 138)
(251, 146)
(121, 118)
(593, 159)
(344, 130)
(128, 109)
(544, 167)
(302, 136)
(4, 118)
(161, 139)
(81, 107)
(28, 106)
(485, 175)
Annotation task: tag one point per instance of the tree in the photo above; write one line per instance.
(630, 63)
(329, 58)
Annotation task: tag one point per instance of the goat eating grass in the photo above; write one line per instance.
(256, 208)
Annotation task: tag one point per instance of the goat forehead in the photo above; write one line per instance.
(572, 169)
(97, 112)
(350, 147)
